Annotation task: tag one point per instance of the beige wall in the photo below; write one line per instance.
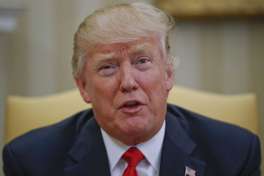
(4, 53)
(220, 56)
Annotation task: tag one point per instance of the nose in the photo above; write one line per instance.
(128, 82)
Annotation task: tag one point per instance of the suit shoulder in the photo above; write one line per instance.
(214, 134)
(42, 151)
(220, 143)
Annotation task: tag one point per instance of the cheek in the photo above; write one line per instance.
(153, 81)
(102, 90)
(154, 86)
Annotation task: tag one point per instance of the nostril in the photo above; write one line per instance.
(128, 88)
(128, 85)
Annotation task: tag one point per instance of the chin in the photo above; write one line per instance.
(137, 134)
(133, 131)
(134, 138)
(136, 125)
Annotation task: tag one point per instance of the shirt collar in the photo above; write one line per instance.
(151, 148)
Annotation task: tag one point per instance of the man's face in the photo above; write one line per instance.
(127, 84)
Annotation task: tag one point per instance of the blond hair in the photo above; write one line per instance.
(119, 23)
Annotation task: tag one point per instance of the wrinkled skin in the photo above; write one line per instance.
(128, 85)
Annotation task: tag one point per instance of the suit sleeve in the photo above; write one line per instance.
(252, 166)
(11, 166)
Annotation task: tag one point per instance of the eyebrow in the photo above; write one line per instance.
(104, 57)
(101, 58)
(139, 48)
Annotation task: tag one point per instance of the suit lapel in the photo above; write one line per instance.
(88, 154)
(177, 149)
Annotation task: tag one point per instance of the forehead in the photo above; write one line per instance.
(140, 45)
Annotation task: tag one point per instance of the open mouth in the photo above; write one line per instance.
(131, 106)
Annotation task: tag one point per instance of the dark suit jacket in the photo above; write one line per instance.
(74, 147)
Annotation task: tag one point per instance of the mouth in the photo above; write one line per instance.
(131, 106)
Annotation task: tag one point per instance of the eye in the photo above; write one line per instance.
(143, 63)
(107, 69)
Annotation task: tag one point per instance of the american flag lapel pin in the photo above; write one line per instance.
(189, 171)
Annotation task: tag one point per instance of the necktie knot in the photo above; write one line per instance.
(133, 156)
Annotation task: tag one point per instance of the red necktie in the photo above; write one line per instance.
(132, 156)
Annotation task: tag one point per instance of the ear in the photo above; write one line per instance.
(81, 84)
(169, 77)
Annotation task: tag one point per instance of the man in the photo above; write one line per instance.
(121, 65)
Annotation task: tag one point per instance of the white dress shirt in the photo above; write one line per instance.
(151, 149)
